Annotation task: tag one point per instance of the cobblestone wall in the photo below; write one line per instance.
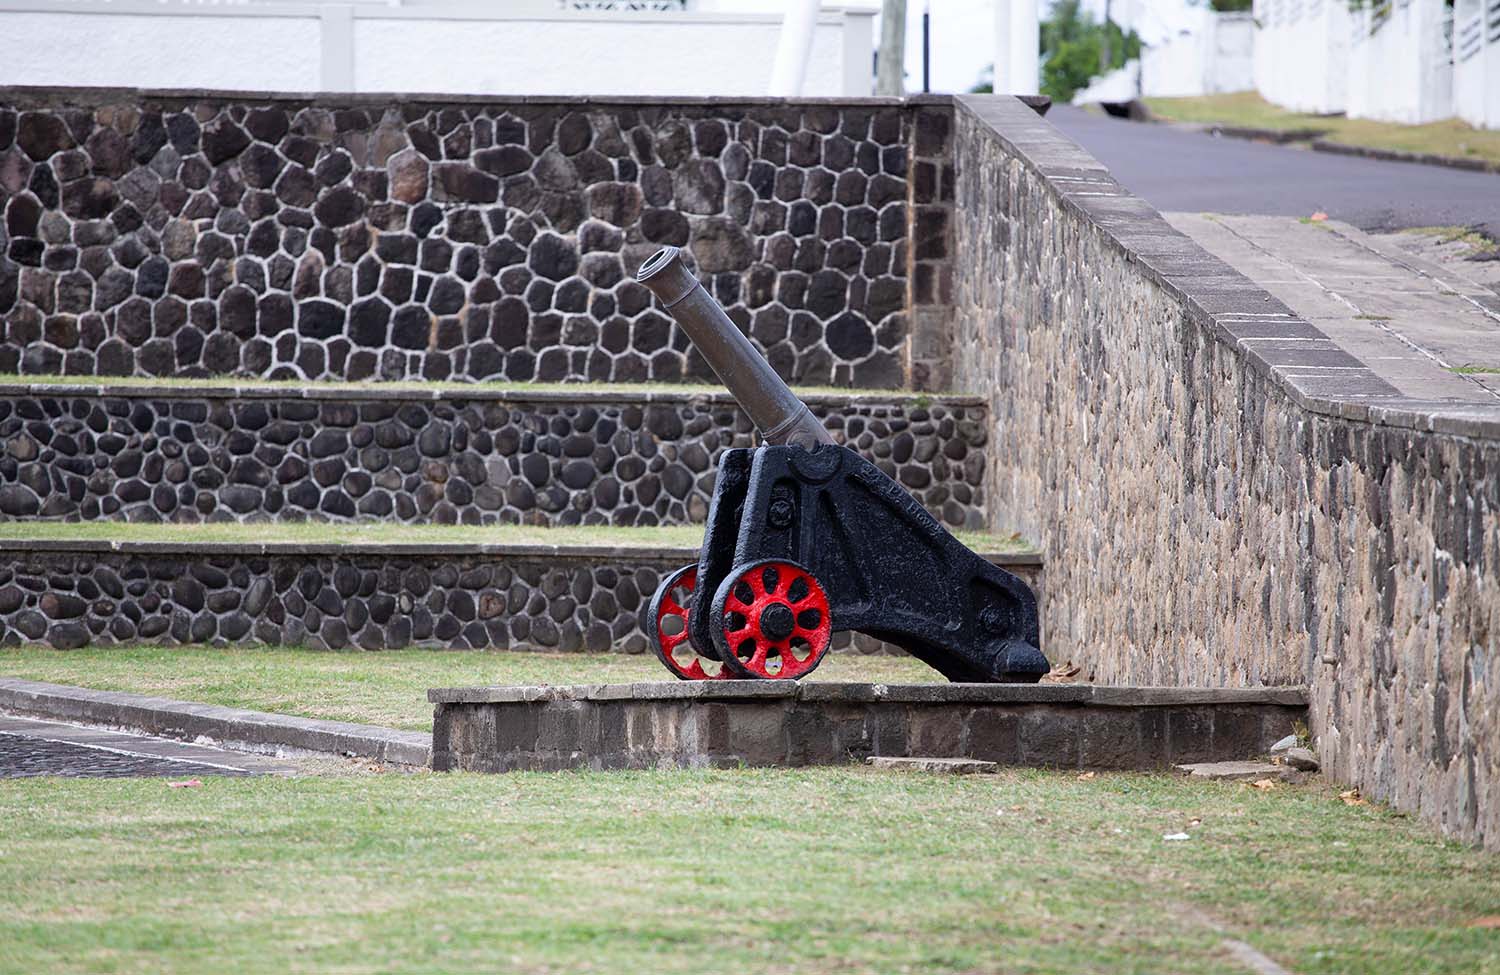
(1212, 512)
(371, 597)
(190, 234)
(533, 458)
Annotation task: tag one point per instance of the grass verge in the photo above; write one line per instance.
(1450, 137)
(323, 533)
(386, 688)
(810, 871)
(1475, 244)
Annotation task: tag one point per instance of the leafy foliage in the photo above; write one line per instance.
(1072, 45)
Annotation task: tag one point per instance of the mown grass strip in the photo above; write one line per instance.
(819, 870)
(387, 688)
(1450, 137)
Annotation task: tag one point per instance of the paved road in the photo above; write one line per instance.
(30, 748)
(1189, 171)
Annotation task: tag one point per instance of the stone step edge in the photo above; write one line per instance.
(1098, 695)
(590, 393)
(236, 729)
(680, 553)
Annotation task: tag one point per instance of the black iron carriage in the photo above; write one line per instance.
(806, 537)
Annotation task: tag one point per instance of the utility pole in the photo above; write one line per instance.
(890, 68)
(926, 46)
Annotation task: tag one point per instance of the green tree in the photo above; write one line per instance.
(1072, 49)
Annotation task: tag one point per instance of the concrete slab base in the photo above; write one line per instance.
(1235, 771)
(941, 766)
(783, 723)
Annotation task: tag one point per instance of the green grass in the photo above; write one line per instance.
(1450, 137)
(385, 688)
(428, 388)
(1473, 370)
(808, 871)
(323, 533)
(1475, 243)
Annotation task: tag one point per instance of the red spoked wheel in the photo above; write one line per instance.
(667, 628)
(771, 620)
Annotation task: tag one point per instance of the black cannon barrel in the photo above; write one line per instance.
(780, 415)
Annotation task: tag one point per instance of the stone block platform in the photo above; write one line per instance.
(774, 723)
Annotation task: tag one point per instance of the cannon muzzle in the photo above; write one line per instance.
(772, 407)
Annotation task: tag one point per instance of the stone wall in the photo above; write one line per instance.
(194, 233)
(448, 456)
(1217, 506)
(329, 597)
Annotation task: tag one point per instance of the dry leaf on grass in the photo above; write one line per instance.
(1353, 798)
(1319, 217)
(188, 784)
(1265, 785)
(1084, 776)
(1488, 921)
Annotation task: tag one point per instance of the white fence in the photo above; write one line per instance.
(1476, 62)
(1407, 61)
(468, 48)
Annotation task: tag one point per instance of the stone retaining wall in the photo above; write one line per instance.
(353, 237)
(1222, 497)
(445, 457)
(491, 597)
(784, 723)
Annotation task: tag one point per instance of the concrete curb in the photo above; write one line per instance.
(232, 728)
(1280, 137)
(1397, 155)
(1314, 138)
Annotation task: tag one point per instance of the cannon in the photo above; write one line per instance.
(805, 538)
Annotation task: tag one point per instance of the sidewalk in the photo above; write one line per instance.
(1428, 328)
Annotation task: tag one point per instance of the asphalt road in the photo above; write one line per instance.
(1174, 169)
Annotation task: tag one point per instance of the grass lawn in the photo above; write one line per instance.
(1451, 137)
(324, 533)
(385, 688)
(825, 870)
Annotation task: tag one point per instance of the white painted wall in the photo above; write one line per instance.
(1476, 62)
(1209, 53)
(1398, 63)
(94, 48)
(469, 48)
(1301, 54)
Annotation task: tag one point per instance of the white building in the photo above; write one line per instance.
(543, 47)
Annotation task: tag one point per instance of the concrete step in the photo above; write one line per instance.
(786, 723)
(367, 586)
(197, 451)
